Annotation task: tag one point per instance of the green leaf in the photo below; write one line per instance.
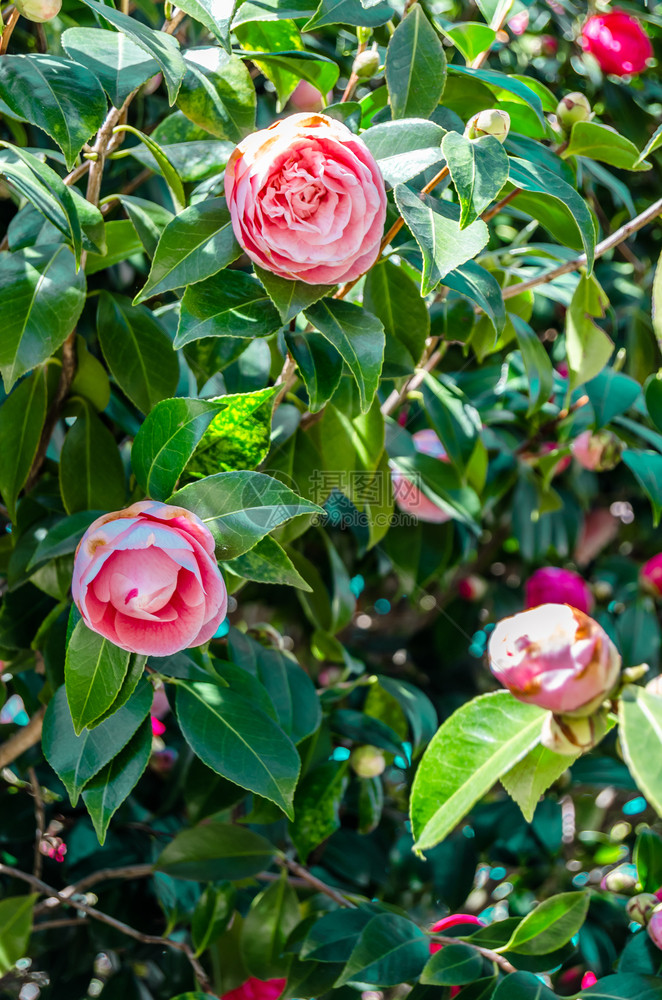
(417, 707)
(550, 925)
(91, 469)
(647, 468)
(481, 287)
(217, 93)
(216, 15)
(588, 348)
(237, 740)
(415, 67)
(497, 82)
(15, 929)
(164, 166)
(214, 851)
(453, 965)
(241, 507)
(656, 312)
(470, 751)
(196, 244)
(137, 351)
(212, 914)
(346, 12)
(76, 759)
(149, 220)
(43, 297)
(267, 562)
(537, 364)
(393, 297)
(435, 225)
(229, 304)
(652, 145)
(106, 792)
(357, 336)
(478, 168)
(317, 805)
(457, 423)
(319, 363)
(600, 142)
(118, 63)
(640, 732)
(470, 37)
(612, 393)
(390, 950)
(167, 439)
(290, 297)
(532, 776)
(273, 913)
(333, 936)
(94, 671)
(63, 537)
(238, 436)
(122, 242)
(647, 856)
(279, 44)
(403, 149)
(161, 46)
(522, 986)
(22, 417)
(58, 95)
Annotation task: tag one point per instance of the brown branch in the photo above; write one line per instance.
(21, 741)
(7, 31)
(492, 956)
(103, 875)
(117, 925)
(285, 380)
(48, 925)
(315, 883)
(506, 200)
(40, 820)
(428, 361)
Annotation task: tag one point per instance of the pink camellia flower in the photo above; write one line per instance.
(588, 979)
(618, 42)
(599, 529)
(307, 200)
(305, 97)
(158, 727)
(597, 452)
(556, 657)
(519, 23)
(146, 578)
(409, 498)
(257, 989)
(553, 585)
(651, 575)
(443, 925)
(654, 926)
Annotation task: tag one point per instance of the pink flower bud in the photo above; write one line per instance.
(38, 10)
(640, 907)
(305, 97)
(454, 920)
(146, 578)
(621, 879)
(556, 657)
(588, 979)
(618, 42)
(257, 989)
(597, 452)
(549, 46)
(599, 529)
(654, 926)
(409, 498)
(651, 575)
(569, 736)
(158, 728)
(519, 23)
(553, 585)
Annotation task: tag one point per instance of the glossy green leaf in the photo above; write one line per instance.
(317, 806)
(149, 220)
(588, 347)
(42, 300)
(647, 856)
(94, 672)
(22, 417)
(390, 950)
(357, 336)
(290, 297)
(280, 42)
(216, 15)
(453, 965)
(60, 96)
(15, 928)
(217, 93)
(612, 393)
(138, 352)
(647, 468)
(470, 37)
(63, 537)
(213, 851)
(478, 168)
(435, 225)
(640, 732)
(162, 47)
(600, 142)
(456, 422)
(91, 469)
(167, 439)
(122, 242)
(106, 792)
(239, 741)
(532, 776)
(333, 936)
(165, 167)
(393, 297)
(229, 304)
(319, 363)
(196, 244)
(118, 63)
(267, 562)
(415, 67)
(76, 759)
(501, 81)
(274, 912)
(471, 750)
(523, 986)
(537, 364)
(404, 148)
(347, 12)
(550, 925)
(213, 913)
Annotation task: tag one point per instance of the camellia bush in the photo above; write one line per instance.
(331, 477)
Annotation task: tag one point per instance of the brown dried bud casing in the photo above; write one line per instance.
(570, 736)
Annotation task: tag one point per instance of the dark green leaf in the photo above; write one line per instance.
(415, 67)
(550, 925)
(403, 149)
(478, 168)
(118, 63)
(15, 928)
(390, 950)
(319, 363)
(217, 93)
(290, 297)
(267, 562)
(273, 914)
(346, 12)
(106, 792)
(215, 851)
(228, 304)
(456, 422)
(316, 808)
(453, 965)
(646, 466)
(91, 469)
(21, 420)
(94, 672)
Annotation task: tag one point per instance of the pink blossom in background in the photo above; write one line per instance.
(257, 989)
(408, 497)
(553, 585)
(158, 728)
(160, 703)
(307, 200)
(651, 575)
(600, 527)
(556, 657)
(519, 23)
(588, 979)
(618, 42)
(147, 579)
(305, 97)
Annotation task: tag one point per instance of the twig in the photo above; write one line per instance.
(7, 31)
(428, 361)
(48, 925)
(353, 78)
(171, 25)
(118, 925)
(316, 883)
(40, 821)
(285, 380)
(506, 200)
(21, 741)
(104, 875)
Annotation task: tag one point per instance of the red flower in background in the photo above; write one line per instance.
(618, 42)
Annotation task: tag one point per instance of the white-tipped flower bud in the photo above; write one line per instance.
(640, 907)
(38, 10)
(621, 879)
(573, 108)
(570, 736)
(366, 64)
(367, 762)
(490, 122)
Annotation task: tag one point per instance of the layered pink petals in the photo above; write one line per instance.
(409, 497)
(552, 585)
(147, 579)
(618, 42)
(307, 200)
(556, 657)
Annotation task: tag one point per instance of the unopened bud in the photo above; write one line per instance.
(602, 590)
(490, 122)
(569, 736)
(597, 452)
(621, 879)
(655, 926)
(573, 108)
(366, 64)
(38, 10)
(472, 588)
(367, 762)
(640, 907)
